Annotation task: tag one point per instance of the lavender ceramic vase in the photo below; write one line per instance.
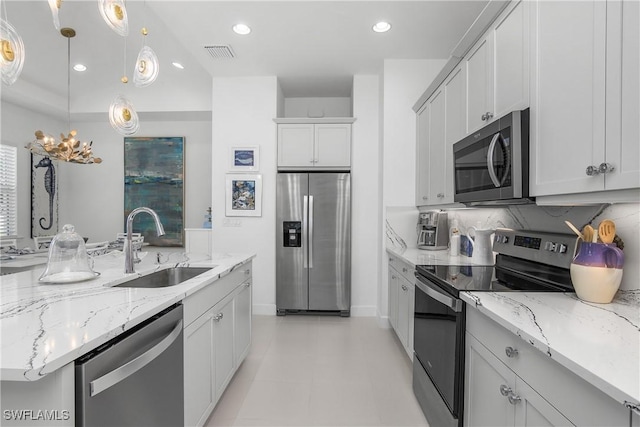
(596, 272)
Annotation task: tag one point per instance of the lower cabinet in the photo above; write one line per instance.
(216, 342)
(510, 383)
(496, 396)
(401, 302)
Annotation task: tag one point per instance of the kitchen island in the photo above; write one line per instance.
(44, 327)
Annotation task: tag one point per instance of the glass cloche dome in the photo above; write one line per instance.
(68, 260)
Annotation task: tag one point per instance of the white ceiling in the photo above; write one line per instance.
(314, 47)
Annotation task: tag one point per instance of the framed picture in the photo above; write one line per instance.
(243, 195)
(245, 159)
(154, 177)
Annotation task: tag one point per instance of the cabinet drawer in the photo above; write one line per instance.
(197, 304)
(579, 401)
(405, 270)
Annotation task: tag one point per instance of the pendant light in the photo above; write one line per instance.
(11, 50)
(55, 5)
(114, 14)
(122, 115)
(147, 64)
(68, 149)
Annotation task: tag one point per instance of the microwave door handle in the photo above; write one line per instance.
(492, 172)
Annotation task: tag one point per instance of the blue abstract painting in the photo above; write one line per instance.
(154, 177)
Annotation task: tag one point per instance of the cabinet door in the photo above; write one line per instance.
(223, 345)
(479, 68)
(394, 289)
(403, 311)
(295, 145)
(436, 135)
(332, 145)
(455, 106)
(199, 395)
(422, 156)
(242, 323)
(486, 378)
(511, 60)
(532, 410)
(568, 95)
(623, 94)
(412, 305)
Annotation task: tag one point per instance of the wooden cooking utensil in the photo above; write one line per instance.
(607, 231)
(587, 233)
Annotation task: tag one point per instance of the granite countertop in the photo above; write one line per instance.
(45, 326)
(598, 342)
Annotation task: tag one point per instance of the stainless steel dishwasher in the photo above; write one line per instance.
(135, 379)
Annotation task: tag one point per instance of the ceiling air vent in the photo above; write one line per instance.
(220, 51)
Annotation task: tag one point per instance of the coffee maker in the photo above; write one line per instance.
(433, 233)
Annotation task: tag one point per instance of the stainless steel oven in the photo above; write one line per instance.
(492, 165)
(439, 322)
(526, 261)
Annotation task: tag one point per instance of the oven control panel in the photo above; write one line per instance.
(548, 248)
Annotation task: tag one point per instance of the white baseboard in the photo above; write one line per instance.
(264, 309)
(363, 310)
(383, 322)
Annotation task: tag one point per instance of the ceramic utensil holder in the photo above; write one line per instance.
(596, 272)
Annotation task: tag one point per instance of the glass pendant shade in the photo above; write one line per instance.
(114, 14)
(11, 53)
(123, 116)
(54, 5)
(147, 67)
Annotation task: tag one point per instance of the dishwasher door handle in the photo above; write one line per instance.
(121, 373)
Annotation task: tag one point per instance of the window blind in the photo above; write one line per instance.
(8, 190)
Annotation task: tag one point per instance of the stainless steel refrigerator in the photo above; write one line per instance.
(313, 249)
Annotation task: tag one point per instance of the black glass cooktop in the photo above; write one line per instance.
(509, 274)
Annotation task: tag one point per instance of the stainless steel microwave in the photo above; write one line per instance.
(491, 166)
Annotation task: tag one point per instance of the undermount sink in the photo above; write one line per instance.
(163, 278)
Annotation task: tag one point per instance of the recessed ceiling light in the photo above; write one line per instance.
(381, 27)
(178, 65)
(80, 67)
(241, 29)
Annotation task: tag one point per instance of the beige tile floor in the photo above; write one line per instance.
(320, 371)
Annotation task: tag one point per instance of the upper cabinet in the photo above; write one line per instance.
(497, 68)
(585, 96)
(314, 145)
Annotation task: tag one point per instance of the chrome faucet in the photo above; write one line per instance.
(128, 246)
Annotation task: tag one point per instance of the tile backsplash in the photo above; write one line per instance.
(401, 225)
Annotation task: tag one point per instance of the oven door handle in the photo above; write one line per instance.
(453, 303)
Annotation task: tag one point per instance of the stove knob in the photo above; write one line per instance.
(561, 248)
(550, 246)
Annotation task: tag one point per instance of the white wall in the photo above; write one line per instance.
(317, 107)
(366, 196)
(404, 81)
(243, 113)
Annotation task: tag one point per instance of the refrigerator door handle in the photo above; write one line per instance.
(305, 231)
(310, 231)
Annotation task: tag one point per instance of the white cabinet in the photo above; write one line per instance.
(198, 240)
(508, 382)
(434, 169)
(314, 145)
(585, 96)
(497, 68)
(216, 341)
(496, 396)
(401, 302)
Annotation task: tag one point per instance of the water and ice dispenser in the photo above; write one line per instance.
(292, 234)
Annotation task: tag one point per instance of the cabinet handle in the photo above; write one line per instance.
(404, 288)
(489, 115)
(218, 316)
(248, 284)
(440, 195)
(404, 269)
(606, 168)
(505, 390)
(425, 198)
(514, 398)
(484, 117)
(247, 272)
(593, 170)
(393, 277)
(511, 352)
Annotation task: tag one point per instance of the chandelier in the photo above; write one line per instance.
(68, 148)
